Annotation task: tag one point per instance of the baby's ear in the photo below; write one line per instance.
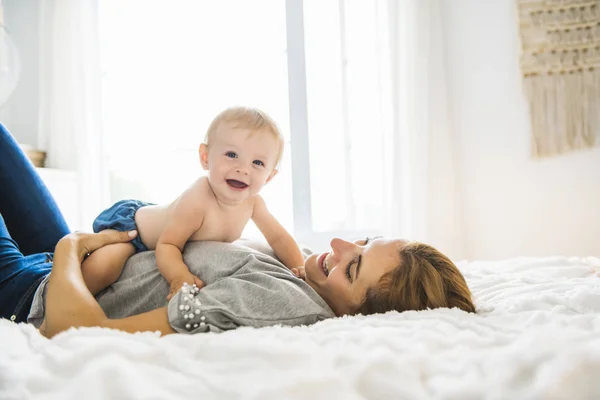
(203, 152)
(272, 175)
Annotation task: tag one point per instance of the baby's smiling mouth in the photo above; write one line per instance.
(234, 183)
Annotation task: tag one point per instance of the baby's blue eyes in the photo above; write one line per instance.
(233, 154)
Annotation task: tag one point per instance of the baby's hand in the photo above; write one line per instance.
(299, 272)
(176, 284)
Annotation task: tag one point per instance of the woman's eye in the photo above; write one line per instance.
(362, 242)
(259, 163)
(231, 154)
(348, 270)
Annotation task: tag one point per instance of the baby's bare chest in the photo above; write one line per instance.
(223, 226)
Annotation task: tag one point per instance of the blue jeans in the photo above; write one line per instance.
(30, 226)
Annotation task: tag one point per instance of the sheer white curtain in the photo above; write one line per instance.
(349, 113)
(424, 196)
(70, 83)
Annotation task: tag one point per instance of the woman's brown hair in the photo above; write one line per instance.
(424, 279)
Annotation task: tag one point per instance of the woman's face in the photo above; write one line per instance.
(343, 275)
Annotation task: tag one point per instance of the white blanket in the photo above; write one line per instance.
(536, 336)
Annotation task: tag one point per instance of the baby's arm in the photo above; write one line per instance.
(185, 218)
(282, 243)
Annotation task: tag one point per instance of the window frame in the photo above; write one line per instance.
(299, 135)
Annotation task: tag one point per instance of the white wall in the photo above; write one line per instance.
(20, 113)
(514, 205)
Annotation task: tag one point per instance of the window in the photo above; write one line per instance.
(346, 83)
(169, 68)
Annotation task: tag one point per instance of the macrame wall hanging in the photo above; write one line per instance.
(560, 63)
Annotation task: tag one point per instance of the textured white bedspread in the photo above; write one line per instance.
(537, 336)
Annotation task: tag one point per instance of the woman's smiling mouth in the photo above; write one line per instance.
(322, 261)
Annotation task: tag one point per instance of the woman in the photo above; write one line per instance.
(243, 286)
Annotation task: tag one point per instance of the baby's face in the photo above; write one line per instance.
(240, 162)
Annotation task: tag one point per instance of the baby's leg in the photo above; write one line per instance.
(104, 266)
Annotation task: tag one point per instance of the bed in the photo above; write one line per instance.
(536, 336)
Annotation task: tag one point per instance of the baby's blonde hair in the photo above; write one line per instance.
(247, 118)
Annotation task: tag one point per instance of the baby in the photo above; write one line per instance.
(241, 151)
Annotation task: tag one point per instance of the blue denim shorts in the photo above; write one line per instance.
(121, 217)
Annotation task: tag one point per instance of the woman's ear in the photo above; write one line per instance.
(203, 152)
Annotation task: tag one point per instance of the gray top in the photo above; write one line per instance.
(245, 285)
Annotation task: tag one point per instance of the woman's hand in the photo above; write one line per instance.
(69, 302)
(85, 243)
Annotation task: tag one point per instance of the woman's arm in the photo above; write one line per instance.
(70, 304)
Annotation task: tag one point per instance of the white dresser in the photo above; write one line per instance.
(63, 186)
